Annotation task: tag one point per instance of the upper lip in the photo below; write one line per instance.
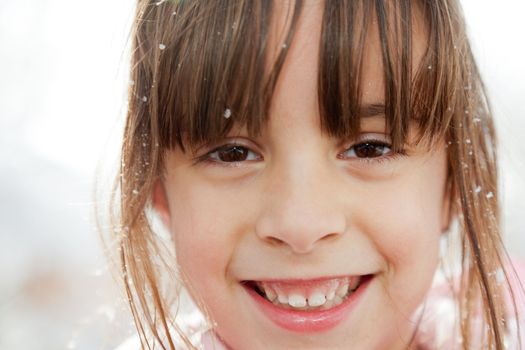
(300, 280)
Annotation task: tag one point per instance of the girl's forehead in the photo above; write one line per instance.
(373, 59)
(297, 86)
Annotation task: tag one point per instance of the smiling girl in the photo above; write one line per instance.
(307, 158)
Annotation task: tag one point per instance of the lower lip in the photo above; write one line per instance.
(309, 321)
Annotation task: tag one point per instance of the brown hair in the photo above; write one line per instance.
(192, 59)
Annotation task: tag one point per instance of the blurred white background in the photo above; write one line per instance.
(62, 98)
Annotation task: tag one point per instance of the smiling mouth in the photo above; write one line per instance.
(308, 295)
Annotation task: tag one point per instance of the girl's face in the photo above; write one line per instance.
(300, 218)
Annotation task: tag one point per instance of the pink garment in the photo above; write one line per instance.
(439, 328)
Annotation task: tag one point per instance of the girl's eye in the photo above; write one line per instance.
(231, 154)
(368, 150)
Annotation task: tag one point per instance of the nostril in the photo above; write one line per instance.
(275, 241)
(299, 245)
(330, 236)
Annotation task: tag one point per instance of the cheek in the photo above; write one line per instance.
(201, 249)
(410, 207)
(404, 225)
(195, 221)
(206, 226)
(408, 226)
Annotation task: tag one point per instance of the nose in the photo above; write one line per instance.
(302, 207)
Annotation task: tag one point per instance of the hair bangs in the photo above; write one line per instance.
(209, 74)
(417, 97)
(211, 71)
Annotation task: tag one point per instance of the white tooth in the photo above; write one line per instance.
(331, 294)
(342, 290)
(337, 300)
(270, 294)
(327, 305)
(283, 299)
(296, 300)
(316, 299)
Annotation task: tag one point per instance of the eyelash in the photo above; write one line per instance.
(389, 156)
(207, 160)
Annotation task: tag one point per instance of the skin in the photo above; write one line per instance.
(304, 206)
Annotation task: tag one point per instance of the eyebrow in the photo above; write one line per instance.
(372, 110)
